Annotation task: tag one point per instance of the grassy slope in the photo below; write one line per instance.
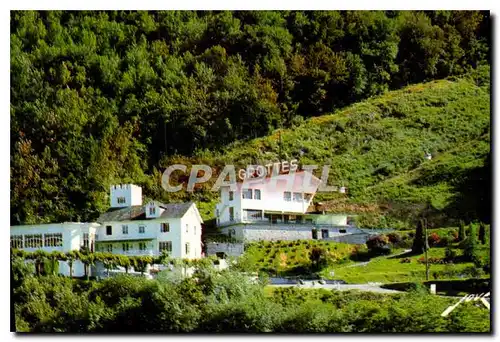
(290, 255)
(386, 269)
(376, 147)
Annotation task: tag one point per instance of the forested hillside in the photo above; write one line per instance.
(376, 148)
(105, 97)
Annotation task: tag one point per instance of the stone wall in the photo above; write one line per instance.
(270, 232)
(230, 249)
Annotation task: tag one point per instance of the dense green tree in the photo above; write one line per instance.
(471, 244)
(99, 97)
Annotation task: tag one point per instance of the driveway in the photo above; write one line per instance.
(370, 287)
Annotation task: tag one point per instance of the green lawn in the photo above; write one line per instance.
(384, 269)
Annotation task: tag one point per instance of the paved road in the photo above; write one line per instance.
(370, 287)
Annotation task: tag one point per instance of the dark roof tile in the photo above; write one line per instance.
(137, 212)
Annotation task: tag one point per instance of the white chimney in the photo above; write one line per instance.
(125, 195)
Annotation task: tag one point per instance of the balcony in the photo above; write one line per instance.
(126, 237)
(130, 252)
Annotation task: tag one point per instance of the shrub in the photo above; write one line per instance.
(450, 254)
(433, 239)
(378, 245)
(444, 241)
(394, 238)
(431, 260)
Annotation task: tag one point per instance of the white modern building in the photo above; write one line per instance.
(277, 208)
(129, 227)
(281, 198)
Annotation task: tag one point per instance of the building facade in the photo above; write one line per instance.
(277, 208)
(127, 228)
(60, 237)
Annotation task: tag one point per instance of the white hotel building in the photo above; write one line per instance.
(128, 228)
(276, 208)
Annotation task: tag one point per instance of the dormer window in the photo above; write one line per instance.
(152, 210)
(121, 200)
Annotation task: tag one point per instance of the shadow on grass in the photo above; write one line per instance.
(404, 255)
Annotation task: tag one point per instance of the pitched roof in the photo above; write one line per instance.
(300, 181)
(137, 212)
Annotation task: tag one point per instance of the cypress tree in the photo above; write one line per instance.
(461, 231)
(471, 245)
(482, 233)
(418, 240)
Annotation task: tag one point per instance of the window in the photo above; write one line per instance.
(187, 247)
(165, 246)
(110, 248)
(142, 229)
(109, 230)
(231, 195)
(252, 215)
(231, 214)
(187, 228)
(142, 246)
(52, 240)
(257, 194)
(121, 200)
(125, 247)
(247, 193)
(342, 231)
(297, 197)
(152, 210)
(33, 241)
(324, 233)
(287, 196)
(125, 229)
(16, 241)
(85, 240)
(165, 228)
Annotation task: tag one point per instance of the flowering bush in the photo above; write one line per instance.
(394, 238)
(433, 239)
(378, 245)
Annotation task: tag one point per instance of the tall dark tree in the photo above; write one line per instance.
(419, 241)
(461, 231)
(482, 233)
